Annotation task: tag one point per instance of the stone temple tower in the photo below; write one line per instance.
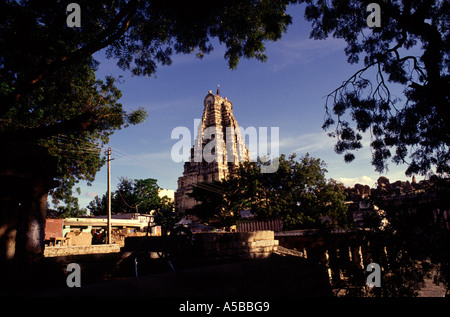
(217, 152)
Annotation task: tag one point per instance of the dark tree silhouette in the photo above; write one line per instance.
(410, 49)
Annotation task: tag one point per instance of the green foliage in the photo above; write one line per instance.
(48, 91)
(221, 201)
(166, 217)
(79, 152)
(139, 195)
(415, 130)
(138, 34)
(296, 193)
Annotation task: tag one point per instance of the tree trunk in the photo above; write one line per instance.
(30, 236)
(26, 176)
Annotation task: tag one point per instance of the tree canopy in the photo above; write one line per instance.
(132, 196)
(297, 193)
(410, 49)
(49, 94)
(139, 34)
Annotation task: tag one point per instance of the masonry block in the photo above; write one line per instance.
(244, 244)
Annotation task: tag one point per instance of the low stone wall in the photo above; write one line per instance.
(247, 245)
(52, 251)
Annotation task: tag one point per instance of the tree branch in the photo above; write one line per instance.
(113, 32)
(83, 122)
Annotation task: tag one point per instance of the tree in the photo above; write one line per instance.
(138, 33)
(414, 130)
(71, 208)
(73, 118)
(330, 205)
(49, 95)
(165, 216)
(48, 91)
(220, 202)
(414, 240)
(296, 193)
(98, 206)
(139, 195)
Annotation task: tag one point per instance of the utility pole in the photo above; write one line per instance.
(108, 240)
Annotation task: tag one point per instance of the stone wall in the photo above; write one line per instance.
(247, 245)
(52, 251)
(209, 245)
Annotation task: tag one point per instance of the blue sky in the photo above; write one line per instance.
(288, 91)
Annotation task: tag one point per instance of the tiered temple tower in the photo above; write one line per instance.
(217, 152)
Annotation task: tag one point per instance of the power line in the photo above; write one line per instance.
(135, 207)
(129, 158)
(70, 138)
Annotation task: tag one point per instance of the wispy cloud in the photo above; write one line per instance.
(304, 51)
(311, 142)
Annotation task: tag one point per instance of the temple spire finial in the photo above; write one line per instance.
(218, 90)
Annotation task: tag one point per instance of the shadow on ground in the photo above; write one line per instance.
(277, 276)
